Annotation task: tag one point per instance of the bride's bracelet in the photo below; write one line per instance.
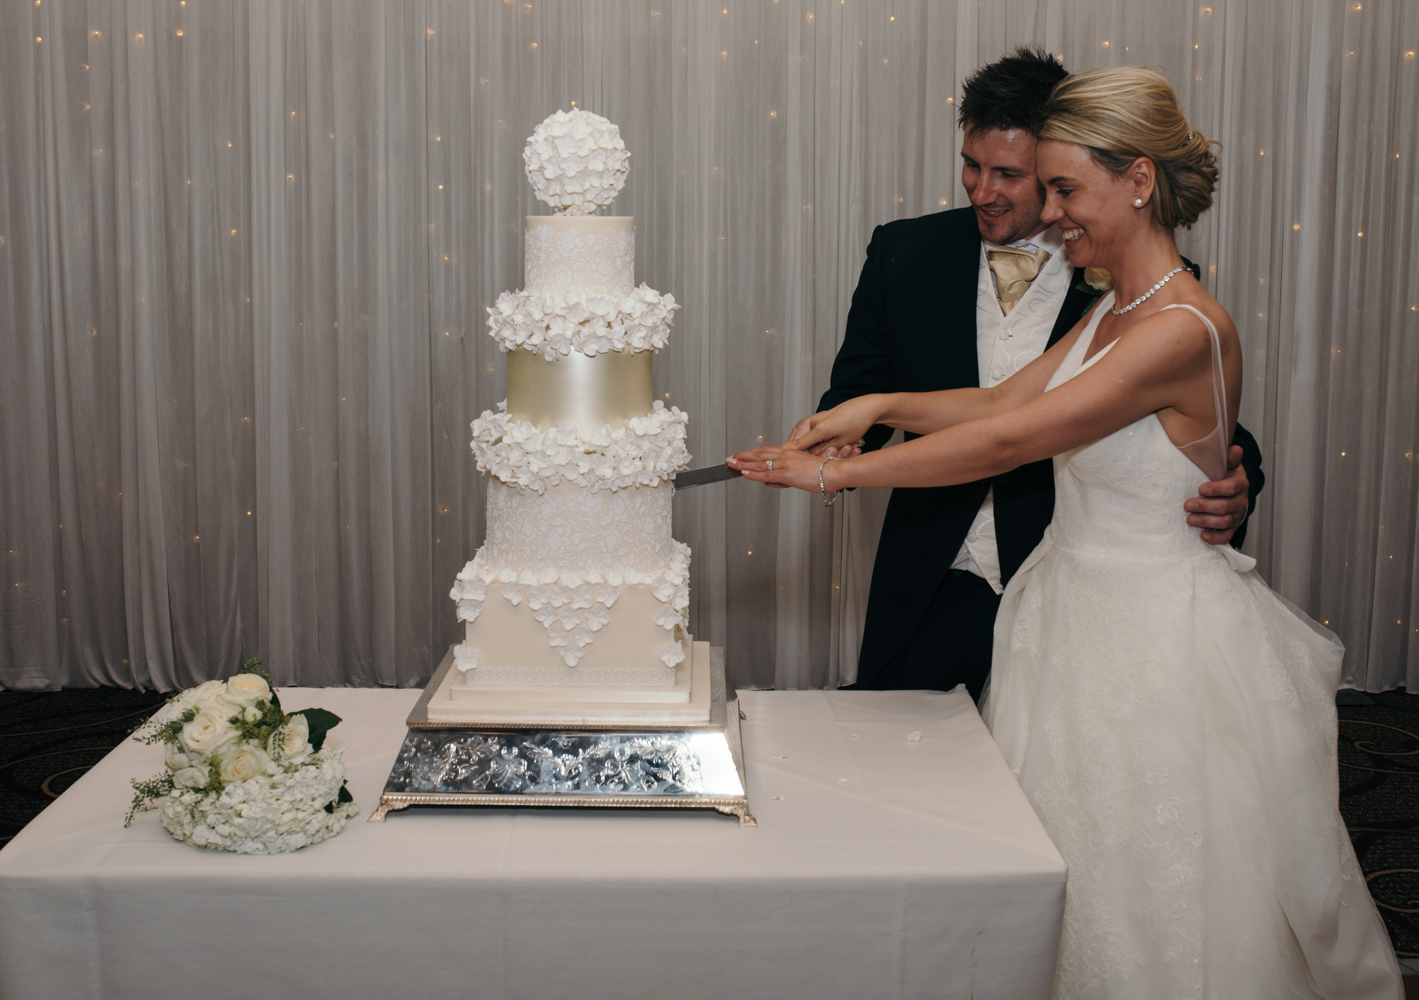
(827, 500)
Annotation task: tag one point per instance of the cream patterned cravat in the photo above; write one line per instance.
(1014, 269)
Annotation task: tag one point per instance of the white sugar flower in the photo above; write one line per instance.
(597, 617)
(648, 449)
(465, 657)
(576, 161)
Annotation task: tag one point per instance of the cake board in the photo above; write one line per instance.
(678, 765)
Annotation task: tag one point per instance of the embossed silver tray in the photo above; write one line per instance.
(626, 768)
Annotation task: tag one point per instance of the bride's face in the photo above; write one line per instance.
(1093, 206)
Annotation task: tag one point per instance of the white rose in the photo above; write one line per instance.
(294, 738)
(248, 689)
(206, 691)
(175, 759)
(206, 733)
(189, 698)
(243, 763)
(252, 714)
(191, 777)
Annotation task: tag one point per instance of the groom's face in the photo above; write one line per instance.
(998, 172)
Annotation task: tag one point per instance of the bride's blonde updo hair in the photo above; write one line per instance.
(1123, 112)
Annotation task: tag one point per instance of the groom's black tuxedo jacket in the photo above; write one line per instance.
(912, 328)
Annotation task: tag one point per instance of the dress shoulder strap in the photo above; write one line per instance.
(1209, 453)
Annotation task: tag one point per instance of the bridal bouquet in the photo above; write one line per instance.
(242, 775)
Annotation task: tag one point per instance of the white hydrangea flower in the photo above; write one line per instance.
(672, 654)
(265, 814)
(576, 162)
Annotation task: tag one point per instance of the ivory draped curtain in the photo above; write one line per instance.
(245, 250)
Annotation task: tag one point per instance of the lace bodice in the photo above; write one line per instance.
(1122, 496)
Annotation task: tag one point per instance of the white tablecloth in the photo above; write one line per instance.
(879, 868)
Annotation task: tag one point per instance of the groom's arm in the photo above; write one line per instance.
(1226, 502)
(863, 364)
(1256, 479)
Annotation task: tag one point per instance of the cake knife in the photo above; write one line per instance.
(709, 474)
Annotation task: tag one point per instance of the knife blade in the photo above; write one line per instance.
(709, 474)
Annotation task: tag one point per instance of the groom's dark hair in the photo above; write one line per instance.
(1011, 92)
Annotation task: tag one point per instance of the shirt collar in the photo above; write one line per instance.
(1050, 240)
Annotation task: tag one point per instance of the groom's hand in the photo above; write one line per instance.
(1222, 506)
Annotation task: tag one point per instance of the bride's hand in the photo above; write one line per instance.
(791, 467)
(840, 428)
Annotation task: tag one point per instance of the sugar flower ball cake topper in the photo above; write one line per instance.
(576, 162)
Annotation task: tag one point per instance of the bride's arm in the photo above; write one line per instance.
(927, 412)
(1162, 362)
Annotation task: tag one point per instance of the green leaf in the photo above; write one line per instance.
(320, 722)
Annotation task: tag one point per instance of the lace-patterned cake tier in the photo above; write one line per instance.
(592, 254)
(569, 528)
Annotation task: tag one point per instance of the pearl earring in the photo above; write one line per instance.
(1137, 202)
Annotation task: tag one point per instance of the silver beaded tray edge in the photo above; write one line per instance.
(601, 767)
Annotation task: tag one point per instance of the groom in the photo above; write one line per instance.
(967, 298)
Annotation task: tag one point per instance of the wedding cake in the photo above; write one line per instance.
(575, 605)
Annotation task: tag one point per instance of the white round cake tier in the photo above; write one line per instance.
(587, 253)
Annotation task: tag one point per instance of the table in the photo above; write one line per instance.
(880, 868)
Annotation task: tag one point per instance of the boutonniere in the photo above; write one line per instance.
(1095, 283)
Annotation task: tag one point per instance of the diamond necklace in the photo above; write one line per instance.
(1149, 294)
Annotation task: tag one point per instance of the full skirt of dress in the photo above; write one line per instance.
(1173, 723)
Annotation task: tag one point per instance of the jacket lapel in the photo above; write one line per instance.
(1075, 302)
(955, 267)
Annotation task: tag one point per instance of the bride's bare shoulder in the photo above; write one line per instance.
(1184, 321)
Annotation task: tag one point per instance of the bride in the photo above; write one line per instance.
(1170, 719)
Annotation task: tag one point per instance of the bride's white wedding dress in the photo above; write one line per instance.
(1172, 722)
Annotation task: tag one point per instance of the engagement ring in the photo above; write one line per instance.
(771, 465)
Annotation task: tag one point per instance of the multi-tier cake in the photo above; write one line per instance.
(575, 606)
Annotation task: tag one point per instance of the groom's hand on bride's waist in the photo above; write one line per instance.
(1221, 506)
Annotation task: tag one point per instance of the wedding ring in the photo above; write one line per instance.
(771, 465)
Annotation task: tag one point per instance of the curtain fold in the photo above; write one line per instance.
(246, 248)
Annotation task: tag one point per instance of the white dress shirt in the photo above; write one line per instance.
(1004, 345)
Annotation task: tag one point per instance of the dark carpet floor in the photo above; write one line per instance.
(48, 739)
(1379, 798)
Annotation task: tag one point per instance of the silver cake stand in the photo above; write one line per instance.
(699, 766)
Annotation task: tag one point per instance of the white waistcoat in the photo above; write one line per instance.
(1004, 345)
